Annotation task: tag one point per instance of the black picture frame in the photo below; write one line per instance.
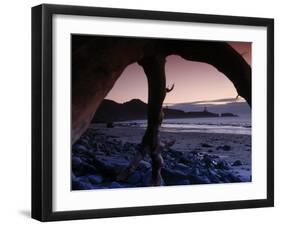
(42, 111)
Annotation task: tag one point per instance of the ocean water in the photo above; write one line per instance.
(229, 125)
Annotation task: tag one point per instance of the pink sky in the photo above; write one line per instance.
(194, 81)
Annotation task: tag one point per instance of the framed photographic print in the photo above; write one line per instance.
(145, 112)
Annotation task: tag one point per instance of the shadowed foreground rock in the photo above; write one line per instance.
(97, 159)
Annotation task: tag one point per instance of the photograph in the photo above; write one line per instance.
(159, 112)
(141, 112)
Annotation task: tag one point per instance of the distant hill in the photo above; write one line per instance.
(237, 108)
(135, 109)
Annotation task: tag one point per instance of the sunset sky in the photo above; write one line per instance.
(194, 81)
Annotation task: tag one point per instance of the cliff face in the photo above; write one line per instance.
(110, 111)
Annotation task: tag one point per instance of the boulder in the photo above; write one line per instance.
(134, 178)
(205, 145)
(182, 168)
(95, 179)
(237, 163)
(224, 147)
(184, 182)
(233, 178)
(144, 165)
(172, 177)
(110, 125)
(223, 165)
(110, 165)
(79, 148)
(76, 162)
(209, 162)
(197, 179)
(115, 184)
(213, 176)
(146, 178)
(78, 183)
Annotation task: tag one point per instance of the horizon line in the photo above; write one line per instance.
(199, 102)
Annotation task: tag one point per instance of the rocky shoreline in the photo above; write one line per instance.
(98, 157)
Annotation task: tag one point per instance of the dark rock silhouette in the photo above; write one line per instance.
(228, 115)
(224, 147)
(237, 163)
(97, 63)
(110, 111)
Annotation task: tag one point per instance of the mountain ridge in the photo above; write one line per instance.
(135, 109)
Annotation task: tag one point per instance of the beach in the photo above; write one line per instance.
(109, 151)
(189, 141)
(230, 147)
